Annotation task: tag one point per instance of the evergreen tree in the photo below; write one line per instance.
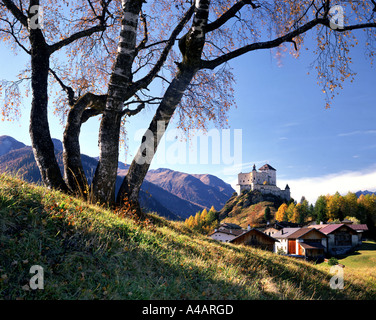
(320, 209)
(267, 214)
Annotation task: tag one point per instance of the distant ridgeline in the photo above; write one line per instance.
(263, 180)
(172, 194)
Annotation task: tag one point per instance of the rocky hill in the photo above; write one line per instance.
(249, 208)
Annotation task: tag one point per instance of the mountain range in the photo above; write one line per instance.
(172, 194)
(359, 193)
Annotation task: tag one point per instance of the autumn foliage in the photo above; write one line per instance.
(203, 221)
(331, 208)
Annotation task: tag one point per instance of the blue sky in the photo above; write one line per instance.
(283, 122)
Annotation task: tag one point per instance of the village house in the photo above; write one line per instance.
(281, 236)
(226, 232)
(279, 225)
(255, 238)
(270, 231)
(312, 242)
(309, 243)
(232, 233)
(361, 230)
(341, 237)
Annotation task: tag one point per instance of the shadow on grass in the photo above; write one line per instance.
(368, 246)
(365, 246)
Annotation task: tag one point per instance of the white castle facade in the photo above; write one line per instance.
(263, 180)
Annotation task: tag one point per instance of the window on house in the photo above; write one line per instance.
(342, 239)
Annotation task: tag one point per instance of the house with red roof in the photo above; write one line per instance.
(341, 237)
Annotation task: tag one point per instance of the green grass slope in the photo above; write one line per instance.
(88, 252)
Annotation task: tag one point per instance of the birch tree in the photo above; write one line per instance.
(115, 51)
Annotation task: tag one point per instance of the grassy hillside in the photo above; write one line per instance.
(252, 215)
(88, 252)
(360, 266)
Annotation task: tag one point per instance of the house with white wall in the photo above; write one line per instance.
(341, 237)
(309, 243)
(226, 232)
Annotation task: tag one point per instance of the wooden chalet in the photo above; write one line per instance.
(255, 238)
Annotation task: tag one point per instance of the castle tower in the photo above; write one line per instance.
(269, 174)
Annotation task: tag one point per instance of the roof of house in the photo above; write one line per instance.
(329, 228)
(234, 232)
(301, 232)
(267, 167)
(285, 224)
(230, 225)
(286, 232)
(251, 231)
(317, 226)
(359, 227)
(270, 229)
(310, 246)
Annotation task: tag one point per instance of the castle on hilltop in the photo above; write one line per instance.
(263, 180)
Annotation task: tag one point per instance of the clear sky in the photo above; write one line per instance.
(283, 122)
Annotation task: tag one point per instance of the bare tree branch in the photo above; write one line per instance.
(76, 36)
(13, 34)
(211, 64)
(67, 89)
(326, 23)
(144, 82)
(230, 13)
(17, 13)
(145, 39)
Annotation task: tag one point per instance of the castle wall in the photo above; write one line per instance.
(255, 177)
(244, 178)
(254, 180)
(284, 194)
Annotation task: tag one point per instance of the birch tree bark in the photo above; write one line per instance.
(43, 147)
(191, 46)
(121, 78)
(87, 106)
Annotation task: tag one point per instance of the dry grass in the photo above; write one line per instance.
(89, 252)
